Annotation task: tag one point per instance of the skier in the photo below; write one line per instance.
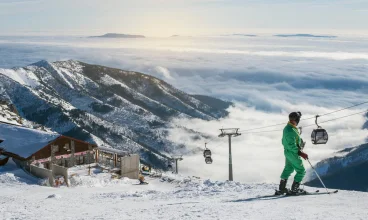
(292, 143)
(141, 179)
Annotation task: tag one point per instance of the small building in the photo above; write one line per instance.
(46, 154)
(127, 165)
(30, 146)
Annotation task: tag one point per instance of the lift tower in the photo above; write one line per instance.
(230, 132)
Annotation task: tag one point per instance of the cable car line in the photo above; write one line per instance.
(318, 136)
(344, 109)
(334, 119)
(252, 129)
(366, 111)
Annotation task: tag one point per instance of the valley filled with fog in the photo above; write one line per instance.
(266, 77)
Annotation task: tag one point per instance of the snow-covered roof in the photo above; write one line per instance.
(111, 150)
(24, 141)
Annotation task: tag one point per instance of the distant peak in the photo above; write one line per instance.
(117, 35)
(41, 63)
(305, 35)
(245, 35)
(45, 63)
(67, 61)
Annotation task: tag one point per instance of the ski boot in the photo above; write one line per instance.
(282, 187)
(295, 190)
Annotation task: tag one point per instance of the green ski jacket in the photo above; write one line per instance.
(291, 138)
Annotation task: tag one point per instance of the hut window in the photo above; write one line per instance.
(56, 148)
(66, 147)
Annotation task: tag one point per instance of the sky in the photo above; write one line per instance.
(161, 18)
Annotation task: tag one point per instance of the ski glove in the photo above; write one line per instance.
(304, 155)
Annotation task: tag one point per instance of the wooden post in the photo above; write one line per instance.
(66, 181)
(89, 154)
(30, 164)
(97, 154)
(102, 157)
(72, 148)
(115, 160)
(62, 161)
(53, 151)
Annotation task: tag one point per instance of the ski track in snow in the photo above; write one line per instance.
(171, 197)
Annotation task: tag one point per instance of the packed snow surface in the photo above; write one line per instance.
(168, 197)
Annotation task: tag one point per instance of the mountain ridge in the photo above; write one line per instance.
(305, 35)
(117, 35)
(344, 171)
(121, 109)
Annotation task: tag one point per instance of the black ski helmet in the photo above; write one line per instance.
(295, 116)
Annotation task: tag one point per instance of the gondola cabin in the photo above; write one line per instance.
(319, 136)
(207, 153)
(208, 160)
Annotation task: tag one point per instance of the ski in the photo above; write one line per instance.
(302, 192)
(322, 193)
(312, 193)
(317, 192)
(140, 184)
(279, 196)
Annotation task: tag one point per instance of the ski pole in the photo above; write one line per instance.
(318, 176)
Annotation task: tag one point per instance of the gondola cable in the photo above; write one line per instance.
(252, 129)
(334, 119)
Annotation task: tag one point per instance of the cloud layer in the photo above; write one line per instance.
(267, 77)
(258, 156)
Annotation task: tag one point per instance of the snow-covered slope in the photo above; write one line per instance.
(347, 170)
(8, 113)
(170, 197)
(112, 107)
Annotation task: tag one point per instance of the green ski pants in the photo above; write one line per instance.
(293, 162)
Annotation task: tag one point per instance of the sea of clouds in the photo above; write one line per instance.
(266, 77)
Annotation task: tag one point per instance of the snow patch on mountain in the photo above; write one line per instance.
(22, 76)
(109, 81)
(65, 75)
